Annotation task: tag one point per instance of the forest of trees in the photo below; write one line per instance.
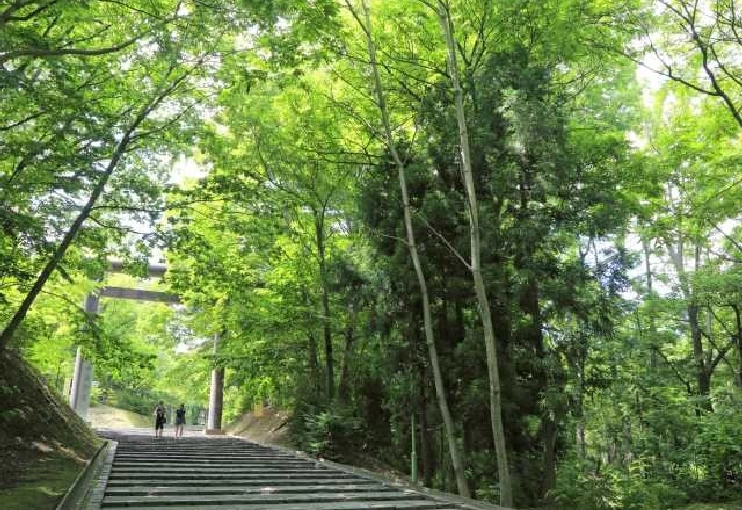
(494, 244)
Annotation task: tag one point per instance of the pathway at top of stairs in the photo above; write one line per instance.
(200, 473)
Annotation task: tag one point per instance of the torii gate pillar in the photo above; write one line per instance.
(82, 380)
(216, 397)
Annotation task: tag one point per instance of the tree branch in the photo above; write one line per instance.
(7, 14)
(71, 233)
(674, 369)
(445, 241)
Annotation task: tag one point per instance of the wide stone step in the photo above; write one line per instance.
(212, 455)
(261, 499)
(197, 476)
(122, 466)
(212, 459)
(204, 453)
(196, 447)
(188, 443)
(223, 461)
(343, 505)
(188, 451)
(215, 469)
(191, 446)
(258, 481)
(236, 489)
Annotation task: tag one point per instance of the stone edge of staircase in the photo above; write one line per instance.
(465, 503)
(80, 486)
(97, 486)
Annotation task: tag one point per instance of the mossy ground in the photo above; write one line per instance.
(44, 480)
(43, 443)
(714, 506)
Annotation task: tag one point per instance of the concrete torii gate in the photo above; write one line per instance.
(83, 376)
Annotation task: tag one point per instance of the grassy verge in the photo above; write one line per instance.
(714, 506)
(43, 443)
(43, 482)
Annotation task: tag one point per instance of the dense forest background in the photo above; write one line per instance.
(492, 243)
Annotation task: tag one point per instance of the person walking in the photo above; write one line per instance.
(160, 419)
(180, 419)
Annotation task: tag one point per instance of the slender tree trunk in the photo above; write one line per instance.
(649, 294)
(69, 236)
(326, 326)
(344, 384)
(216, 391)
(702, 371)
(579, 403)
(581, 445)
(313, 362)
(413, 453)
(550, 434)
(498, 430)
(426, 450)
(426, 447)
(312, 345)
(453, 447)
(703, 367)
(627, 444)
(738, 341)
(57, 379)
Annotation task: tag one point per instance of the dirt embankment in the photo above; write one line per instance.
(43, 443)
(266, 426)
(270, 427)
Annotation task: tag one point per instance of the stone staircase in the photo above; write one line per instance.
(198, 473)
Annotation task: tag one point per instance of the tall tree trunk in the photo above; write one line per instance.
(426, 446)
(453, 447)
(344, 384)
(216, 390)
(703, 369)
(69, 236)
(413, 450)
(498, 430)
(313, 362)
(579, 397)
(703, 374)
(549, 434)
(312, 345)
(738, 341)
(627, 443)
(426, 449)
(648, 295)
(546, 377)
(326, 323)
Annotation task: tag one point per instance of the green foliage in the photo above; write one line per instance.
(614, 489)
(608, 204)
(42, 441)
(137, 402)
(715, 454)
(585, 491)
(333, 433)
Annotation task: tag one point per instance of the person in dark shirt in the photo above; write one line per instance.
(180, 418)
(159, 419)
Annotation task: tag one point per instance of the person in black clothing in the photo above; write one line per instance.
(160, 419)
(180, 418)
